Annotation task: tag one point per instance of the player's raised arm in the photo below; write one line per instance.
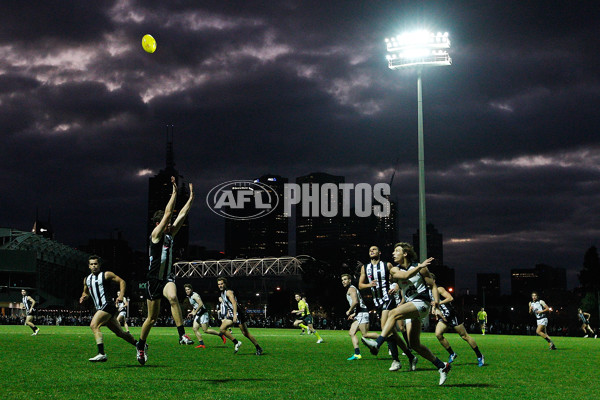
(158, 231)
(399, 273)
(184, 212)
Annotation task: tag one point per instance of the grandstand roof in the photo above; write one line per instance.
(47, 249)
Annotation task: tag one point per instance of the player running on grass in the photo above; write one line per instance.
(414, 280)
(448, 318)
(28, 306)
(540, 309)
(97, 286)
(122, 309)
(584, 318)
(303, 317)
(199, 314)
(386, 297)
(482, 319)
(233, 315)
(357, 313)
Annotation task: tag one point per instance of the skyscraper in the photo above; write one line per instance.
(159, 193)
(262, 237)
(316, 235)
(488, 287)
(544, 279)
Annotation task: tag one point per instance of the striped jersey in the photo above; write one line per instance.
(414, 287)
(380, 273)
(446, 308)
(582, 317)
(27, 304)
(361, 307)
(538, 306)
(95, 285)
(227, 305)
(161, 259)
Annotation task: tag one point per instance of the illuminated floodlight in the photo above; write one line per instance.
(418, 48)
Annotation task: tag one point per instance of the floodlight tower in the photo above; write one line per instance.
(419, 49)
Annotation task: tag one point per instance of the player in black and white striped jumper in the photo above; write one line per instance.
(29, 306)
(160, 279)
(414, 280)
(376, 276)
(234, 315)
(448, 317)
(97, 286)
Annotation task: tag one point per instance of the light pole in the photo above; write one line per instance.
(419, 49)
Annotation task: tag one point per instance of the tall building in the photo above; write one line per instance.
(386, 231)
(159, 193)
(267, 236)
(543, 279)
(435, 244)
(435, 248)
(488, 287)
(316, 235)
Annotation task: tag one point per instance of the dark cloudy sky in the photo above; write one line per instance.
(294, 86)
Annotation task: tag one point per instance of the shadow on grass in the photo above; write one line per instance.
(458, 385)
(217, 381)
(475, 385)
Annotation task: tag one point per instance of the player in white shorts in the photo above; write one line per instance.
(122, 309)
(357, 313)
(200, 315)
(414, 281)
(540, 309)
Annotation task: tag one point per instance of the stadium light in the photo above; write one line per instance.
(419, 49)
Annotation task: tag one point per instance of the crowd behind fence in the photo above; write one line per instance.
(322, 321)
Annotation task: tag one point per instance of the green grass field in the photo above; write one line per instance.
(54, 365)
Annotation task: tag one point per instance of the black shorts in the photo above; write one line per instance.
(451, 319)
(155, 287)
(31, 313)
(109, 308)
(388, 305)
(241, 317)
(308, 319)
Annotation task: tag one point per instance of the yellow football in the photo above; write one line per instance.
(149, 44)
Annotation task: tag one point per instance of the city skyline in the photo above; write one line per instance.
(512, 158)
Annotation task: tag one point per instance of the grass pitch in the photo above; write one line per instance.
(54, 365)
